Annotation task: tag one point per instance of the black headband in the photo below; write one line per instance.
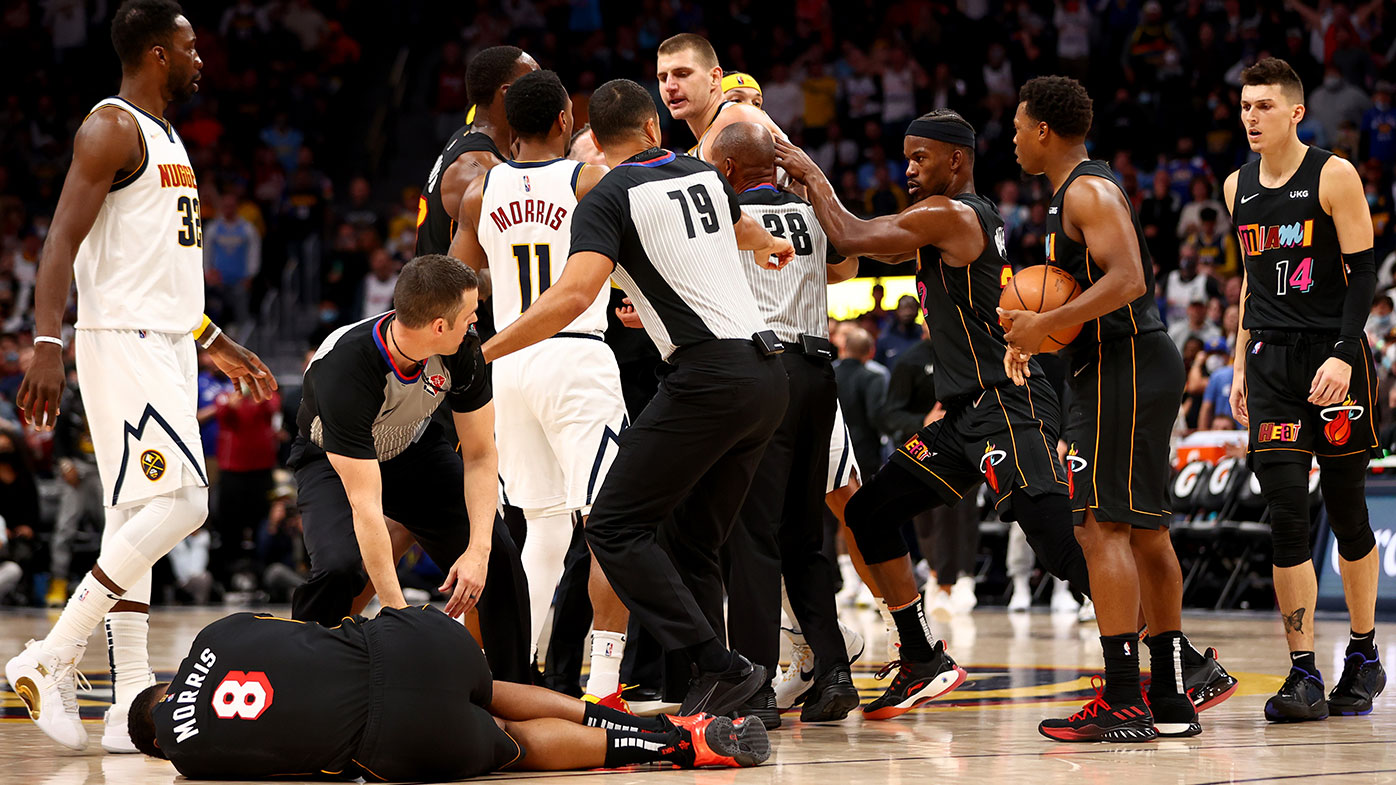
(954, 133)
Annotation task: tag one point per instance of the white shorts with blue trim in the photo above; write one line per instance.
(842, 464)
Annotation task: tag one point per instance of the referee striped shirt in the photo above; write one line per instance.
(667, 223)
(795, 298)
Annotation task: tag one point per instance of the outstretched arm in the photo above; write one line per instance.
(586, 272)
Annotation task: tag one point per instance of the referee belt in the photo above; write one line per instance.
(812, 346)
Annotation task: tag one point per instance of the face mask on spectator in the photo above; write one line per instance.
(1214, 362)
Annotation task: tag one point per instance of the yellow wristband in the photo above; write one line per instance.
(203, 325)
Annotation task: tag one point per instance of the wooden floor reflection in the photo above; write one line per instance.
(1022, 667)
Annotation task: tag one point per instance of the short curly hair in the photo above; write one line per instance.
(533, 103)
(1274, 71)
(1060, 102)
(140, 24)
(488, 71)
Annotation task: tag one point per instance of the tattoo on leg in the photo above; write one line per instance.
(1295, 621)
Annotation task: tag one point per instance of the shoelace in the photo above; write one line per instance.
(1091, 709)
(1293, 680)
(68, 690)
(1350, 673)
(801, 656)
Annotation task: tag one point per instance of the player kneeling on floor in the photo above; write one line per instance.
(260, 697)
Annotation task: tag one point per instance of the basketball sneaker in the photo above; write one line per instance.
(1208, 684)
(915, 683)
(1300, 699)
(612, 701)
(831, 697)
(794, 681)
(47, 681)
(1362, 681)
(719, 741)
(721, 692)
(762, 706)
(1098, 720)
(853, 642)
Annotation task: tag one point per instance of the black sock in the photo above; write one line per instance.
(711, 656)
(1166, 662)
(1304, 661)
(915, 632)
(1121, 669)
(624, 747)
(1364, 644)
(597, 716)
(1191, 656)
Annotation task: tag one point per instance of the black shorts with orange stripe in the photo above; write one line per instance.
(1006, 438)
(1284, 426)
(1125, 398)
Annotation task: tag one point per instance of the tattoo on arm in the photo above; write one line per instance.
(1295, 621)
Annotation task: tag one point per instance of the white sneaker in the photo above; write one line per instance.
(1087, 612)
(793, 682)
(938, 600)
(1062, 601)
(46, 680)
(853, 643)
(1022, 595)
(962, 596)
(116, 732)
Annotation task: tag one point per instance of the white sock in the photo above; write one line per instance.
(544, 551)
(607, 649)
(89, 603)
(797, 637)
(126, 649)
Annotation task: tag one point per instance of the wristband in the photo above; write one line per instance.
(213, 336)
(38, 339)
(203, 325)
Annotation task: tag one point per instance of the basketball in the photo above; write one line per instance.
(1041, 288)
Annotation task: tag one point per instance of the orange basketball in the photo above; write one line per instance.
(1041, 289)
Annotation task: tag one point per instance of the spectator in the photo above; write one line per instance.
(1334, 103)
(785, 101)
(1379, 321)
(212, 386)
(1073, 22)
(1200, 198)
(247, 446)
(19, 503)
(285, 142)
(820, 94)
(360, 212)
(1194, 325)
(862, 390)
(901, 334)
(1379, 127)
(884, 197)
(1159, 215)
(309, 26)
(1216, 245)
(376, 295)
(1187, 285)
(232, 258)
(901, 76)
(1215, 414)
(79, 492)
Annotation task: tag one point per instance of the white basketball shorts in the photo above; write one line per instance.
(140, 390)
(842, 464)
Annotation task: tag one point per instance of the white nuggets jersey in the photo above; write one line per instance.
(526, 231)
(141, 266)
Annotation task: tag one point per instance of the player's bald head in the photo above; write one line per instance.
(750, 149)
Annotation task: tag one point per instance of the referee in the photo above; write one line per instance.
(782, 522)
(669, 229)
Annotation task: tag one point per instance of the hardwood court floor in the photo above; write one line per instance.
(1022, 667)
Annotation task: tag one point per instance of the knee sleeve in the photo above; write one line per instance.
(1286, 489)
(879, 538)
(1343, 482)
(1046, 522)
(150, 532)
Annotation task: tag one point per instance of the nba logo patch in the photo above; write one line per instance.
(527, 186)
(140, 333)
(152, 465)
(1256, 349)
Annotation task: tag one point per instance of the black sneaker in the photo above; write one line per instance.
(1300, 699)
(1362, 681)
(724, 691)
(1208, 683)
(1174, 717)
(915, 684)
(831, 697)
(762, 706)
(1098, 720)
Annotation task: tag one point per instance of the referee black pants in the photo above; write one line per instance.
(686, 464)
(422, 491)
(781, 529)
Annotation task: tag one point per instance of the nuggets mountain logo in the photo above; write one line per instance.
(1074, 464)
(1339, 421)
(992, 457)
(152, 465)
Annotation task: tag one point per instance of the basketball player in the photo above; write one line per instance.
(689, 458)
(691, 83)
(993, 432)
(1305, 384)
(127, 227)
(1127, 383)
(560, 409)
(781, 533)
(260, 697)
(740, 88)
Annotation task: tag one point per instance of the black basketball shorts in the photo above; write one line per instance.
(1284, 426)
(1125, 398)
(1006, 438)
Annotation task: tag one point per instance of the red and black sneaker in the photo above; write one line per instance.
(1208, 684)
(915, 683)
(719, 741)
(1100, 721)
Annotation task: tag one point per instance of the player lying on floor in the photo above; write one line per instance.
(405, 696)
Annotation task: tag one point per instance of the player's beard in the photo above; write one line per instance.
(182, 88)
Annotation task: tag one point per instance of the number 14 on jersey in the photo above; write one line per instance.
(1301, 280)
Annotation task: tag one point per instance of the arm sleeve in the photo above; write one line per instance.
(470, 378)
(599, 222)
(347, 415)
(897, 416)
(1357, 304)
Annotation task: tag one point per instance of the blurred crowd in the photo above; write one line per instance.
(318, 120)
